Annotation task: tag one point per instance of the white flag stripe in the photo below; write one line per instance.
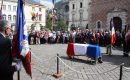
(113, 30)
(80, 49)
(25, 48)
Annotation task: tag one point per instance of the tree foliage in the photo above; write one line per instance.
(48, 23)
(61, 25)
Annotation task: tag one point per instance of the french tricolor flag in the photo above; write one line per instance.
(113, 38)
(75, 49)
(20, 47)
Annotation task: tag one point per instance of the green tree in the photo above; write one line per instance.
(48, 23)
(33, 27)
(61, 25)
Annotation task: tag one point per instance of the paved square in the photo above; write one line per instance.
(79, 68)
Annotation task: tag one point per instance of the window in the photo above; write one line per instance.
(81, 16)
(33, 8)
(40, 17)
(14, 8)
(81, 5)
(87, 26)
(73, 6)
(40, 9)
(9, 17)
(14, 17)
(98, 24)
(66, 8)
(4, 17)
(4, 7)
(9, 7)
(73, 17)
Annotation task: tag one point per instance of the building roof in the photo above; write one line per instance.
(33, 3)
(9, 0)
(26, 2)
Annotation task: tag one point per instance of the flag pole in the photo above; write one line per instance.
(111, 37)
(18, 75)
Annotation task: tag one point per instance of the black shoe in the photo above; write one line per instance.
(100, 60)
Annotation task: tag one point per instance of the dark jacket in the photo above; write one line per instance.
(6, 68)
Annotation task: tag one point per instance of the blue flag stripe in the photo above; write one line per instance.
(20, 24)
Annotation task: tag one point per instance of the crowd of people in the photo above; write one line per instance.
(98, 37)
(101, 38)
(90, 36)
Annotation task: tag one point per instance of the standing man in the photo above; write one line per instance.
(127, 39)
(6, 68)
(125, 49)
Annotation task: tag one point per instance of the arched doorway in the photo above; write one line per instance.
(98, 25)
(73, 27)
(117, 23)
(66, 8)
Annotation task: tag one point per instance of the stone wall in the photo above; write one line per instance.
(104, 10)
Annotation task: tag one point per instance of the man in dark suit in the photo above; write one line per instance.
(6, 67)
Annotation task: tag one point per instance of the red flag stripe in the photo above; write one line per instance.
(26, 63)
(113, 39)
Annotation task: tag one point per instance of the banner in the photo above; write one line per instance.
(113, 39)
(20, 47)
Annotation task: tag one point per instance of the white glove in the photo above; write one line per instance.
(18, 65)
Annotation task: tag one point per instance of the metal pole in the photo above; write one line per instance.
(30, 55)
(18, 72)
(57, 64)
(18, 75)
(121, 71)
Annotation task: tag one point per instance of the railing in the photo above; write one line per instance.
(124, 72)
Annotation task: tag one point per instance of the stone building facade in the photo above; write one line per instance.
(9, 9)
(104, 13)
(63, 10)
(66, 11)
(78, 13)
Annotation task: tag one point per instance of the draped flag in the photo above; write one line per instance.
(113, 38)
(92, 51)
(20, 45)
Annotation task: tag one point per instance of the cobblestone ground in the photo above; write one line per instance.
(44, 65)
